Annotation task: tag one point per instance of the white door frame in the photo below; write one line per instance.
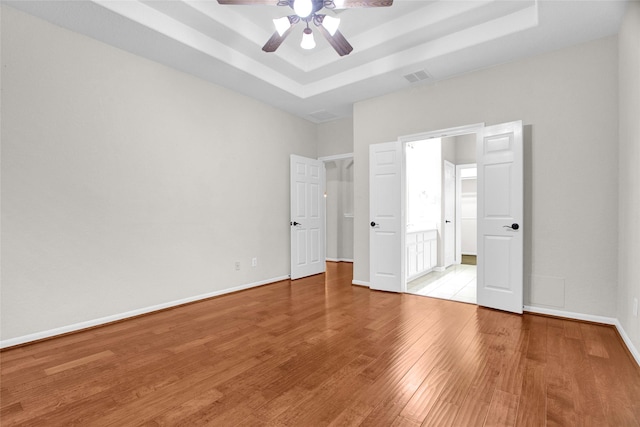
(459, 168)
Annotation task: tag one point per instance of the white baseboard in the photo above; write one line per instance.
(590, 318)
(571, 315)
(360, 283)
(121, 316)
(339, 260)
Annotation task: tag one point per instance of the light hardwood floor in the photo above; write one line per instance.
(319, 351)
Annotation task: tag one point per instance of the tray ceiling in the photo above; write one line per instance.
(414, 40)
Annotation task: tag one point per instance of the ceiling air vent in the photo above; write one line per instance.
(322, 115)
(418, 76)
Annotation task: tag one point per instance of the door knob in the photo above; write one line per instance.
(513, 226)
(447, 221)
(295, 223)
(373, 224)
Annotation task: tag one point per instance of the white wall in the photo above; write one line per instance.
(423, 180)
(469, 217)
(629, 172)
(465, 149)
(126, 184)
(466, 154)
(335, 137)
(568, 101)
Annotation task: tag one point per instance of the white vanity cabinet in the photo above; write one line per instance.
(422, 252)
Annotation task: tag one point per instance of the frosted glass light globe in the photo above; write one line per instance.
(303, 8)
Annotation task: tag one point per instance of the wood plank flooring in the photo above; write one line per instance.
(319, 352)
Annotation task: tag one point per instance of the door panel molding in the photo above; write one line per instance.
(386, 217)
(500, 207)
(307, 217)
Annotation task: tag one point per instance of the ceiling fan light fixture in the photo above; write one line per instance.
(282, 24)
(307, 39)
(331, 24)
(303, 8)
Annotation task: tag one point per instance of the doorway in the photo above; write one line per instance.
(339, 207)
(441, 217)
(499, 156)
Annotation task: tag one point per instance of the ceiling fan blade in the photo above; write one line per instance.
(275, 41)
(348, 4)
(339, 43)
(249, 2)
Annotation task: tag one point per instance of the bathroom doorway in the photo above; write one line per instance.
(441, 209)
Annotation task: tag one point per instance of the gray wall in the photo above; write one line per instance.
(126, 184)
(335, 137)
(568, 101)
(629, 175)
(465, 149)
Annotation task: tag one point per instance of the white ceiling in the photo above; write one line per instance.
(222, 44)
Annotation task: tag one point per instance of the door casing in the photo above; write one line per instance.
(479, 130)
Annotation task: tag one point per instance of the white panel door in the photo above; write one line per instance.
(500, 215)
(449, 227)
(386, 237)
(307, 217)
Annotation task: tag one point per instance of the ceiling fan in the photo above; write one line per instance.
(307, 11)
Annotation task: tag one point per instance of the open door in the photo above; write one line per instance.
(386, 235)
(307, 217)
(500, 215)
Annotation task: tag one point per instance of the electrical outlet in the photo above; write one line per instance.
(254, 262)
(635, 307)
(237, 265)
